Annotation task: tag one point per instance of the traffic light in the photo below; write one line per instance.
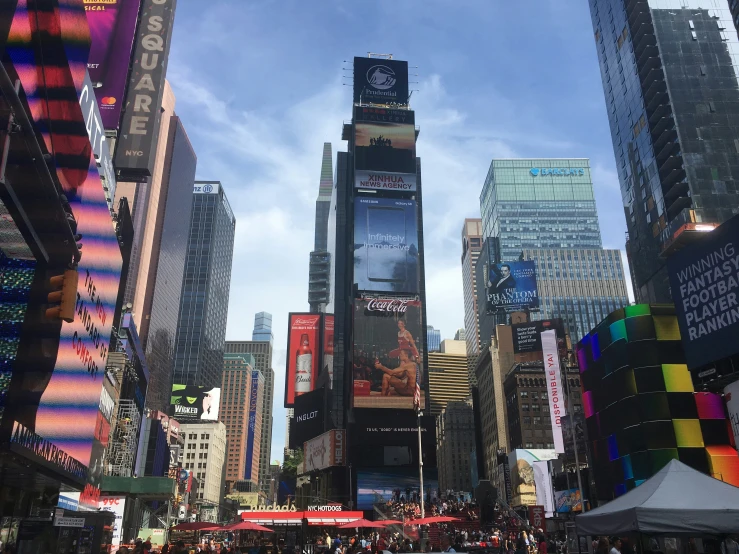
(64, 293)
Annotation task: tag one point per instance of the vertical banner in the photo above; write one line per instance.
(303, 349)
(731, 395)
(253, 401)
(554, 387)
(536, 517)
(543, 483)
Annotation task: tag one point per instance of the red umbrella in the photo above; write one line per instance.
(433, 519)
(364, 524)
(247, 526)
(391, 522)
(193, 526)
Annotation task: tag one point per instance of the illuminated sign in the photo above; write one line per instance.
(557, 171)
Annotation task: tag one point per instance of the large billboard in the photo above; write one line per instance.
(385, 147)
(552, 369)
(731, 396)
(308, 419)
(112, 27)
(251, 431)
(62, 387)
(527, 336)
(382, 180)
(392, 428)
(191, 403)
(511, 286)
(388, 352)
(704, 278)
(523, 475)
(140, 125)
(380, 81)
(390, 484)
(386, 257)
(326, 450)
(573, 430)
(117, 505)
(303, 347)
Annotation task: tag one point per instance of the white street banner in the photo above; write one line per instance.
(554, 387)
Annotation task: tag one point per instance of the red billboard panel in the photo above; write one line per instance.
(388, 353)
(303, 351)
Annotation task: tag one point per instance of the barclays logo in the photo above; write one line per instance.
(559, 171)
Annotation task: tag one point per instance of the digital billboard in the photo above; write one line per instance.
(511, 286)
(568, 501)
(523, 476)
(731, 396)
(139, 130)
(381, 180)
(573, 428)
(303, 351)
(380, 81)
(57, 423)
(385, 147)
(251, 432)
(308, 419)
(527, 336)
(388, 352)
(326, 450)
(378, 114)
(704, 279)
(191, 403)
(112, 28)
(394, 485)
(386, 257)
(392, 428)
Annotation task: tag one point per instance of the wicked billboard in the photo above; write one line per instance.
(190, 403)
(388, 352)
(385, 245)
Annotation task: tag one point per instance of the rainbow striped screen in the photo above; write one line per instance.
(68, 409)
(640, 406)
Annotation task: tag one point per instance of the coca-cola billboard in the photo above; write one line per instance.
(389, 351)
(303, 355)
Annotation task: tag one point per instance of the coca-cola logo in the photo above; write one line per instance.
(299, 321)
(387, 305)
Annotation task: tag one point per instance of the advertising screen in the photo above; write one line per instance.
(385, 147)
(307, 423)
(394, 485)
(191, 403)
(704, 279)
(380, 81)
(523, 476)
(568, 501)
(552, 368)
(392, 428)
(326, 450)
(388, 353)
(117, 505)
(731, 396)
(303, 351)
(527, 336)
(511, 286)
(250, 435)
(328, 349)
(112, 28)
(380, 180)
(385, 245)
(573, 428)
(57, 423)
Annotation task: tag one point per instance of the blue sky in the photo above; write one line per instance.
(261, 84)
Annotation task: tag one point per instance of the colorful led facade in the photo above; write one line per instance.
(640, 405)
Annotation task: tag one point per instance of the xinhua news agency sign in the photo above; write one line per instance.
(704, 278)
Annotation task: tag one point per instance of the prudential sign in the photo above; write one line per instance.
(557, 171)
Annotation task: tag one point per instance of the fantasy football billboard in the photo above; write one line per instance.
(380, 81)
(511, 286)
(704, 279)
(388, 353)
(386, 257)
(112, 28)
(191, 403)
(303, 351)
(387, 147)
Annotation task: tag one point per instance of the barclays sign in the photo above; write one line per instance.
(559, 171)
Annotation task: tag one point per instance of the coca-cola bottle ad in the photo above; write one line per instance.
(303, 355)
(388, 353)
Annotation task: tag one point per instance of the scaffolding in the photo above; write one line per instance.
(124, 439)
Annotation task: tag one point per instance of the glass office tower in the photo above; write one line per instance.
(539, 203)
(201, 330)
(670, 76)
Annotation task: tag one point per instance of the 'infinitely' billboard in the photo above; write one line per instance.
(387, 147)
(140, 125)
(56, 425)
(511, 286)
(388, 352)
(191, 403)
(112, 28)
(303, 351)
(704, 278)
(380, 81)
(386, 257)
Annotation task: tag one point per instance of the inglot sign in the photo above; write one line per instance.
(704, 278)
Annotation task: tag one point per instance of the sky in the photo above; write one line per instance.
(261, 85)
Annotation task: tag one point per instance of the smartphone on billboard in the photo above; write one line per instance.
(389, 260)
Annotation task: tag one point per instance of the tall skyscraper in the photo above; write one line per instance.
(201, 330)
(320, 259)
(433, 338)
(671, 84)
(472, 238)
(538, 203)
(167, 263)
(205, 455)
(262, 327)
(262, 353)
(460, 334)
(455, 440)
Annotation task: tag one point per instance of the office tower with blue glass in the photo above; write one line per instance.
(201, 328)
(433, 338)
(544, 210)
(671, 81)
(262, 327)
(320, 258)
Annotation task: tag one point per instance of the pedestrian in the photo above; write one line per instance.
(615, 545)
(446, 543)
(729, 546)
(165, 548)
(602, 546)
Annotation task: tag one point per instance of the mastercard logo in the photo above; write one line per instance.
(108, 100)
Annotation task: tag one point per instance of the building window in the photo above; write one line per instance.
(525, 407)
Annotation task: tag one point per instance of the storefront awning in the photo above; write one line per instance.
(297, 518)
